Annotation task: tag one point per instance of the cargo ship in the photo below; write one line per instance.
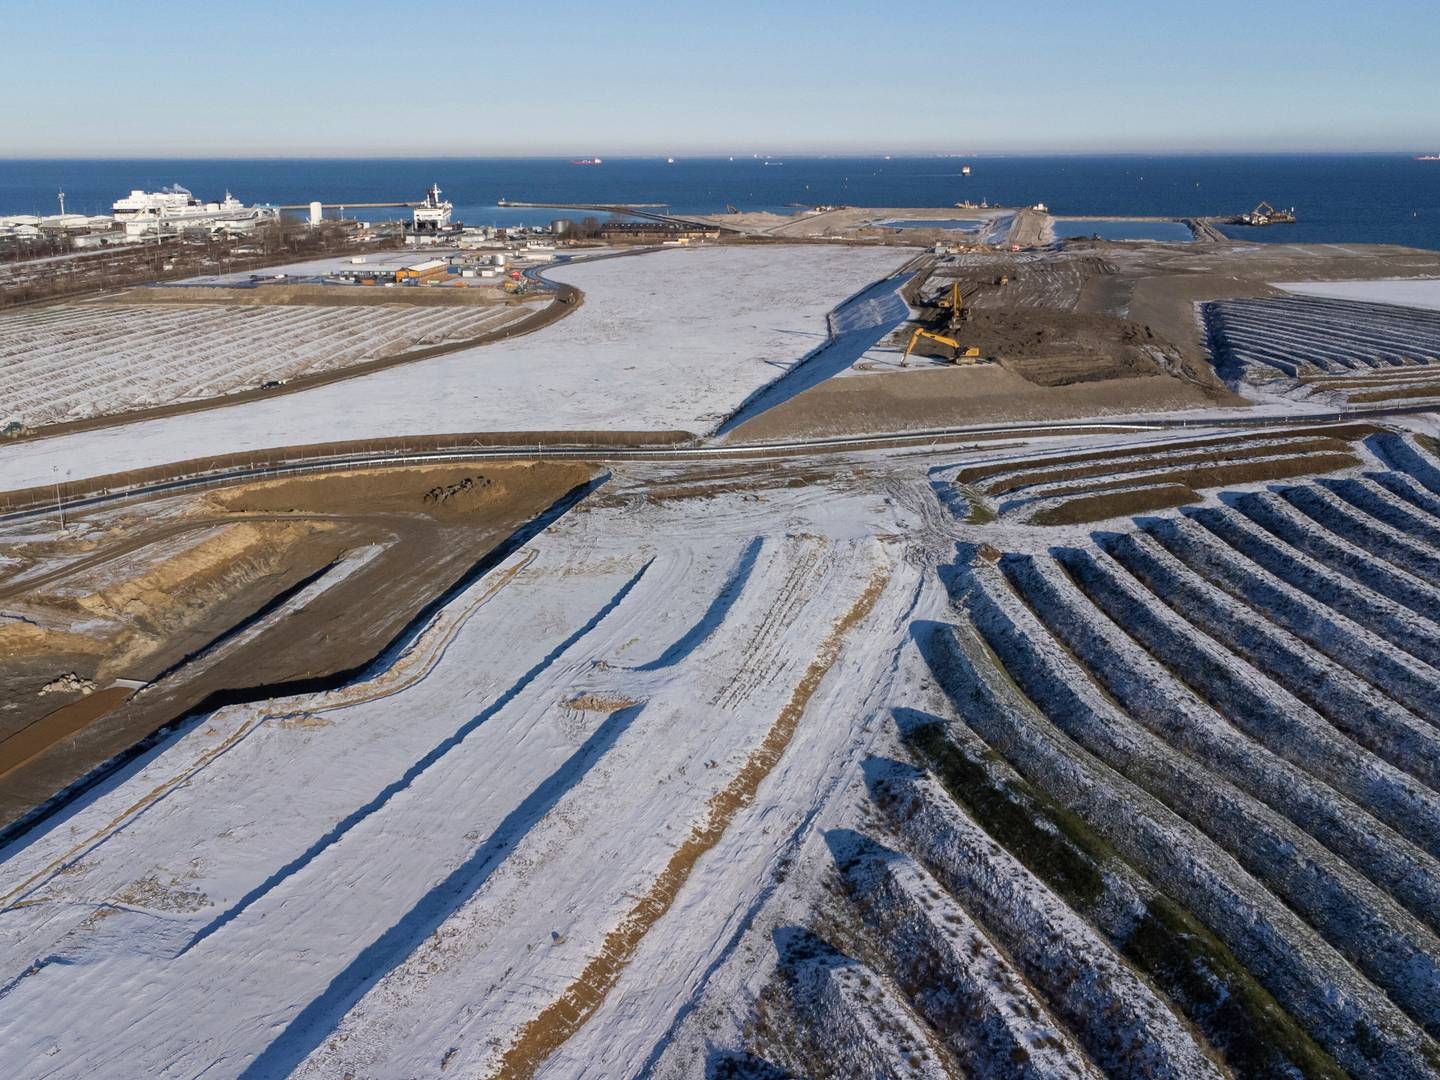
(1427, 157)
(432, 215)
(586, 161)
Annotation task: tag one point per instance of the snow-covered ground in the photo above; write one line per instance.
(81, 360)
(394, 878)
(587, 822)
(1322, 347)
(1407, 292)
(670, 340)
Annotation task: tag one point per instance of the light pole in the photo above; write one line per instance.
(59, 504)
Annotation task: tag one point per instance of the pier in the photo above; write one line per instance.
(637, 210)
(356, 206)
(612, 208)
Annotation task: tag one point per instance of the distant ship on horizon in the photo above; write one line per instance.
(587, 161)
(1427, 157)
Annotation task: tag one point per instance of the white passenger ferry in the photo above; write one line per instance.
(175, 208)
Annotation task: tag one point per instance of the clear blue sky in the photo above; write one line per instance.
(314, 77)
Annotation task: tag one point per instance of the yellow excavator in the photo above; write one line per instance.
(954, 303)
(963, 353)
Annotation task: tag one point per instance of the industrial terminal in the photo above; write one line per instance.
(172, 234)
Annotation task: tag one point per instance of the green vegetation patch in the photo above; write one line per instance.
(1184, 959)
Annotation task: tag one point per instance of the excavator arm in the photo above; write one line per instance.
(952, 300)
(962, 352)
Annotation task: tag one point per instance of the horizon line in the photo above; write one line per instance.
(712, 155)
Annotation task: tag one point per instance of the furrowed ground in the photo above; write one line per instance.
(74, 361)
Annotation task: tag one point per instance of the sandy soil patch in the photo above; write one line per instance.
(448, 493)
(246, 587)
(941, 397)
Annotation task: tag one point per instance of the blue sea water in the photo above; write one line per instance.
(1122, 229)
(1354, 198)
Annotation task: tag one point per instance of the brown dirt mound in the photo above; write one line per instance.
(1345, 432)
(1116, 504)
(1224, 475)
(606, 703)
(1068, 370)
(1061, 348)
(444, 492)
(1421, 390)
(44, 495)
(1156, 458)
(948, 396)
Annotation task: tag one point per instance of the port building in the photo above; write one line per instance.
(422, 272)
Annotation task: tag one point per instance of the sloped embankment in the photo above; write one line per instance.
(1177, 810)
(1342, 351)
(1068, 489)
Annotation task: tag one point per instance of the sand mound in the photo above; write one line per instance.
(172, 591)
(145, 603)
(444, 492)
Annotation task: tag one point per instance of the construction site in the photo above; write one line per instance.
(867, 642)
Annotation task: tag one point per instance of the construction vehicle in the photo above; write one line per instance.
(1265, 214)
(954, 303)
(963, 353)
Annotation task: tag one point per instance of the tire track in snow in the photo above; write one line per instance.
(714, 615)
(559, 1021)
(414, 772)
(312, 1024)
(126, 817)
(785, 853)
